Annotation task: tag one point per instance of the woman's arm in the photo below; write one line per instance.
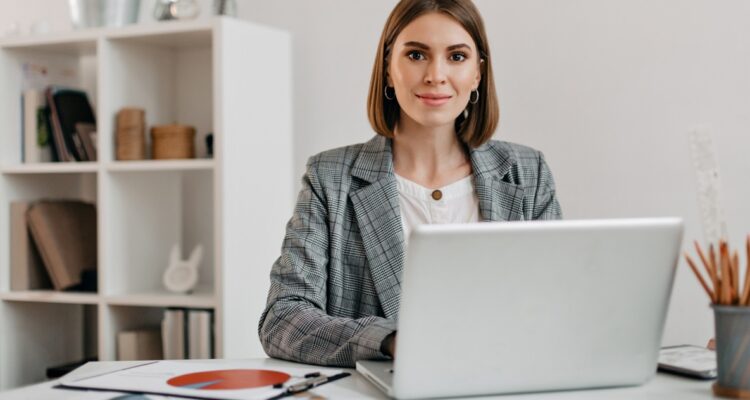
(295, 325)
(546, 205)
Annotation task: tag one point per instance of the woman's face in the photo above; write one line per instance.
(433, 67)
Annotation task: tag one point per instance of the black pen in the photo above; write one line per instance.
(308, 384)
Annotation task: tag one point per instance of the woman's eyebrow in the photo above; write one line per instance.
(423, 46)
(417, 45)
(459, 46)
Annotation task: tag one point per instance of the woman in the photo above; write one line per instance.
(335, 290)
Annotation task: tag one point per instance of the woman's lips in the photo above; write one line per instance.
(434, 100)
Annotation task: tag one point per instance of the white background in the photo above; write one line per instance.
(607, 89)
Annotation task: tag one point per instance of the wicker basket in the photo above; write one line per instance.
(172, 141)
(131, 134)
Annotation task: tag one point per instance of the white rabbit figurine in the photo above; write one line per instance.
(182, 276)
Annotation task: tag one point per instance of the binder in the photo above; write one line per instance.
(200, 334)
(174, 334)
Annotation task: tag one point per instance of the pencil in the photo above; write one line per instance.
(746, 293)
(736, 292)
(700, 278)
(715, 266)
(726, 275)
(711, 271)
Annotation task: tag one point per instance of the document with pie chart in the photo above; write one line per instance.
(238, 380)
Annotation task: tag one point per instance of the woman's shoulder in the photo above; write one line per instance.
(513, 154)
(338, 158)
(515, 150)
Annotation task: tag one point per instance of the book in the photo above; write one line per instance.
(69, 107)
(26, 266)
(46, 115)
(174, 334)
(143, 344)
(200, 337)
(58, 142)
(64, 231)
(36, 146)
(87, 134)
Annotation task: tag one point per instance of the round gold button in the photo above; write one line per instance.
(437, 195)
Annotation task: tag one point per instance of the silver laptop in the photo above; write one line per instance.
(494, 308)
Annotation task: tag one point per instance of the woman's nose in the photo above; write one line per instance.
(435, 73)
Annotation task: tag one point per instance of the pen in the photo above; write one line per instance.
(308, 384)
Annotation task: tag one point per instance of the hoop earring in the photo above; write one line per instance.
(475, 100)
(385, 92)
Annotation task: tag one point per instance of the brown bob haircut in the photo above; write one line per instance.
(483, 116)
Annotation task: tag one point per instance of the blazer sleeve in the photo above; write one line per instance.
(295, 325)
(546, 205)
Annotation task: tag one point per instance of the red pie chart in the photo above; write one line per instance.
(229, 379)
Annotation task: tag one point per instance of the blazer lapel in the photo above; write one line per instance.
(499, 199)
(376, 207)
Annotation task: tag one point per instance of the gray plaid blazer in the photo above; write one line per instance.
(335, 290)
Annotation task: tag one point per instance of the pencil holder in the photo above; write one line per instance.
(732, 324)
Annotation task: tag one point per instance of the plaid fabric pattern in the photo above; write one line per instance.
(336, 287)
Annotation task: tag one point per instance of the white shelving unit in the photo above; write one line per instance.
(225, 76)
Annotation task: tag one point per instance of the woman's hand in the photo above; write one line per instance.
(388, 347)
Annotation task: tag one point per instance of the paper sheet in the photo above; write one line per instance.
(152, 379)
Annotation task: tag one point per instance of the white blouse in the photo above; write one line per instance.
(454, 203)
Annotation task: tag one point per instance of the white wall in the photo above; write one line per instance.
(607, 89)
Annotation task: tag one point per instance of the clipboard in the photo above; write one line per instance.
(151, 378)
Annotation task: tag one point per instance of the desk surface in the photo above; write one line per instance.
(663, 386)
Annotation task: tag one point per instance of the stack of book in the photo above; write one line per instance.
(58, 125)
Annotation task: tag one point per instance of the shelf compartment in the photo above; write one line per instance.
(173, 82)
(34, 187)
(51, 296)
(150, 213)
(57, 334)
(29, 64)
(125, 318)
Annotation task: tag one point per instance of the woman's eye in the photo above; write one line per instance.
(416, 56)
(458, 57)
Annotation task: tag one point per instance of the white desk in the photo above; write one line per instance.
(663, 386)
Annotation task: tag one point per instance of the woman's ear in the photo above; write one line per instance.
(478, 77)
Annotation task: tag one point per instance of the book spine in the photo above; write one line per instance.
(34, 152)
(173, 334)
(200, 334)
(57, 133)
(127, 344)
(27, 270)
(19, 242)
